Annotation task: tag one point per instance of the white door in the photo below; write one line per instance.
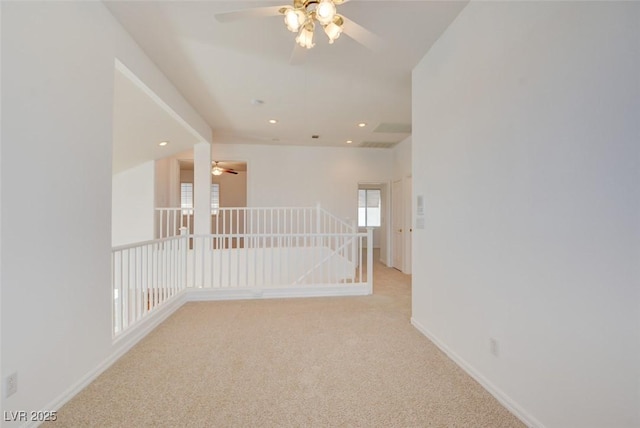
(397, 220)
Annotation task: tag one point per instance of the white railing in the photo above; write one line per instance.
(277, 260)
(144, 276)
(279, 220)
(149, 274)
(240, 220)
(169, 221)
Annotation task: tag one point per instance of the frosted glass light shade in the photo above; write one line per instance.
(305, 38)
(294, 19)
(333, 31)
(325, 11)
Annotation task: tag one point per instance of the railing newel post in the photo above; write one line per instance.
(370, 259)
(184, 233)
(355, 248)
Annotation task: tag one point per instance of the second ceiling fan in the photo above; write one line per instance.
(218, 170)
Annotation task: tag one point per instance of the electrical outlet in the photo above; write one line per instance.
(10, 385)
(494, 347)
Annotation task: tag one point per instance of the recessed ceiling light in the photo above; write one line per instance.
(362, 124)
(163, 143)
(349, 141)
(273, 121)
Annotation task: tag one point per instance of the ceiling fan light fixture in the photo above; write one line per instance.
(334, 28)
(302, 16)
(216, 170)
(294, 18)
(305, 37)
(325, 11)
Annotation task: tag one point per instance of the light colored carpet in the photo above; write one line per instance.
(322, 362)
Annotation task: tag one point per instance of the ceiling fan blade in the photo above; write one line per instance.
(298, 55)
(256, 12)
(361, 35)
(230, 171)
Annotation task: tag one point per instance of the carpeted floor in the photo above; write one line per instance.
(322, 362)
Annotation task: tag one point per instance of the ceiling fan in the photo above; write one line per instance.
(218, 170)
(303, 17)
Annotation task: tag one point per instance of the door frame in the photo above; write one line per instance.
(397, 225)
(384, 231)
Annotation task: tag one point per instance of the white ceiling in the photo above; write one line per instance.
(220, 67)
(140, 123)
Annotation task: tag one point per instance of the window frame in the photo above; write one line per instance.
(366, 208)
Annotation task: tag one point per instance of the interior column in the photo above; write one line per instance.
(202, 188)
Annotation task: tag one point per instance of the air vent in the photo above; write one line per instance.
(394, 128)
(376, 145)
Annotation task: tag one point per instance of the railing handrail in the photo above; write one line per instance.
(145, 243)
(237, 235)
(241, 208)
(338, 219)
(281, 234)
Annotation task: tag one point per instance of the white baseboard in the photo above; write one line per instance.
(498, 394)
(135, 334)
(213, 294)
(120, 347)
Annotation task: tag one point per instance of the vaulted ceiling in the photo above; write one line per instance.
(220, 68)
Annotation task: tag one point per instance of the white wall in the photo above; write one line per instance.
(1, 223)
(167, 183)
(302, 176)
(402, 159)
(132, 204)
(526, 122)
(57, 99)
(56, 135)
(233, 189)
(186, 176)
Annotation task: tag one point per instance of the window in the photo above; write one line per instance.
(215, 198)
(369, 207)
(186, 198)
